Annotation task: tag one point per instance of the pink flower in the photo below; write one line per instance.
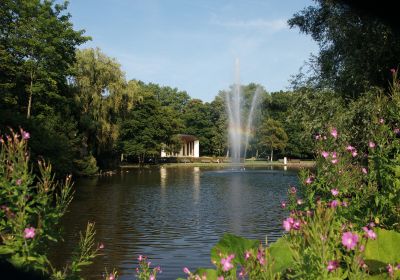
(18, 182)
(350, 148)
(390, 270)
(349, 240)
(299, 201)
(140, 258)
(226, 263)
(334, 192)
(283, 204)
(344, 204)
(332, 265)
(220, 278)
(371, 144)
(25, 135)
(362, 248)
(393, 70)
(334, 161)
(396, 130)
(369, 233)
(101, 246)
(29, 233)
(325, 154)
(111, 277)
(152, 277)
(293, 190)
(334, 155)
(247, 255)
(186, 270)
(317, 137)
(354, 153)
(381, 121)
(260, 257)
(296, 225)
(364, 170)
(334, 203)
(309, 180)
(288, 223)
(334, 133)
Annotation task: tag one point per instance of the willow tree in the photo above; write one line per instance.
(103, 96)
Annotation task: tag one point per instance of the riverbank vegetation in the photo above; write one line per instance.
(80, 112)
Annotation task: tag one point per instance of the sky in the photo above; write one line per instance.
(192, 45)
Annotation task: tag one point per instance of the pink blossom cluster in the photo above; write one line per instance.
(349, 240)
(290, 223)
(227, 262)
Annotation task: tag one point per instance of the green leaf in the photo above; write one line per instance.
(232, 244)
(6, 250)
(281, 254)
(211, 274)
(383, 250)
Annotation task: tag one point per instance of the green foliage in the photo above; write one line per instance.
(272, 136)
(31, 209)
(383, 250)
(346, 38)
(232, 244)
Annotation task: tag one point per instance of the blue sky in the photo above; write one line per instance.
(192, 44)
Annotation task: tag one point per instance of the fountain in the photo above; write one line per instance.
(239, 125)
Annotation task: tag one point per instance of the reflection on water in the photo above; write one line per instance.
(173, 215)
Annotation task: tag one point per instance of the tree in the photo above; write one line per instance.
(148, 127)
(104, 98)
(357, 50)
(273, 136)
(37, 48)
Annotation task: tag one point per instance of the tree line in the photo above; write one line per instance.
(83, 113)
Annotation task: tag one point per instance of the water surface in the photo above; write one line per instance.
(173, 215)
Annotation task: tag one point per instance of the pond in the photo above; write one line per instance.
(173, 215)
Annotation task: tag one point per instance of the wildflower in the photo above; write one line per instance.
(371, 144)
(349, 240)
(369, 233)
(381, 121)
(283, 204)
(299, 201)
(247, 255)
(371, 224)
(220, 278)
(293, 190)
(334, 161)
(389, 269)
(226, 263)
(362, 248)
(325, 154)
(364, 170)
(29, 233)
(287, 224)
(392, 70)
(242, 273)
(350, 148)
(334, 203)
(25, 135)
(186, 270)
(152, 277)
(317, 137)
(344, 204)
(260, 257)
(354, 153)
(334, 133)
(334, 192)
(101, 246)
(158, 269)
(309, 180)
(296, 225)
(396, 131)
(111, 277)
(334, 155)
(332, 265)
(18, 182)
(140, 258)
